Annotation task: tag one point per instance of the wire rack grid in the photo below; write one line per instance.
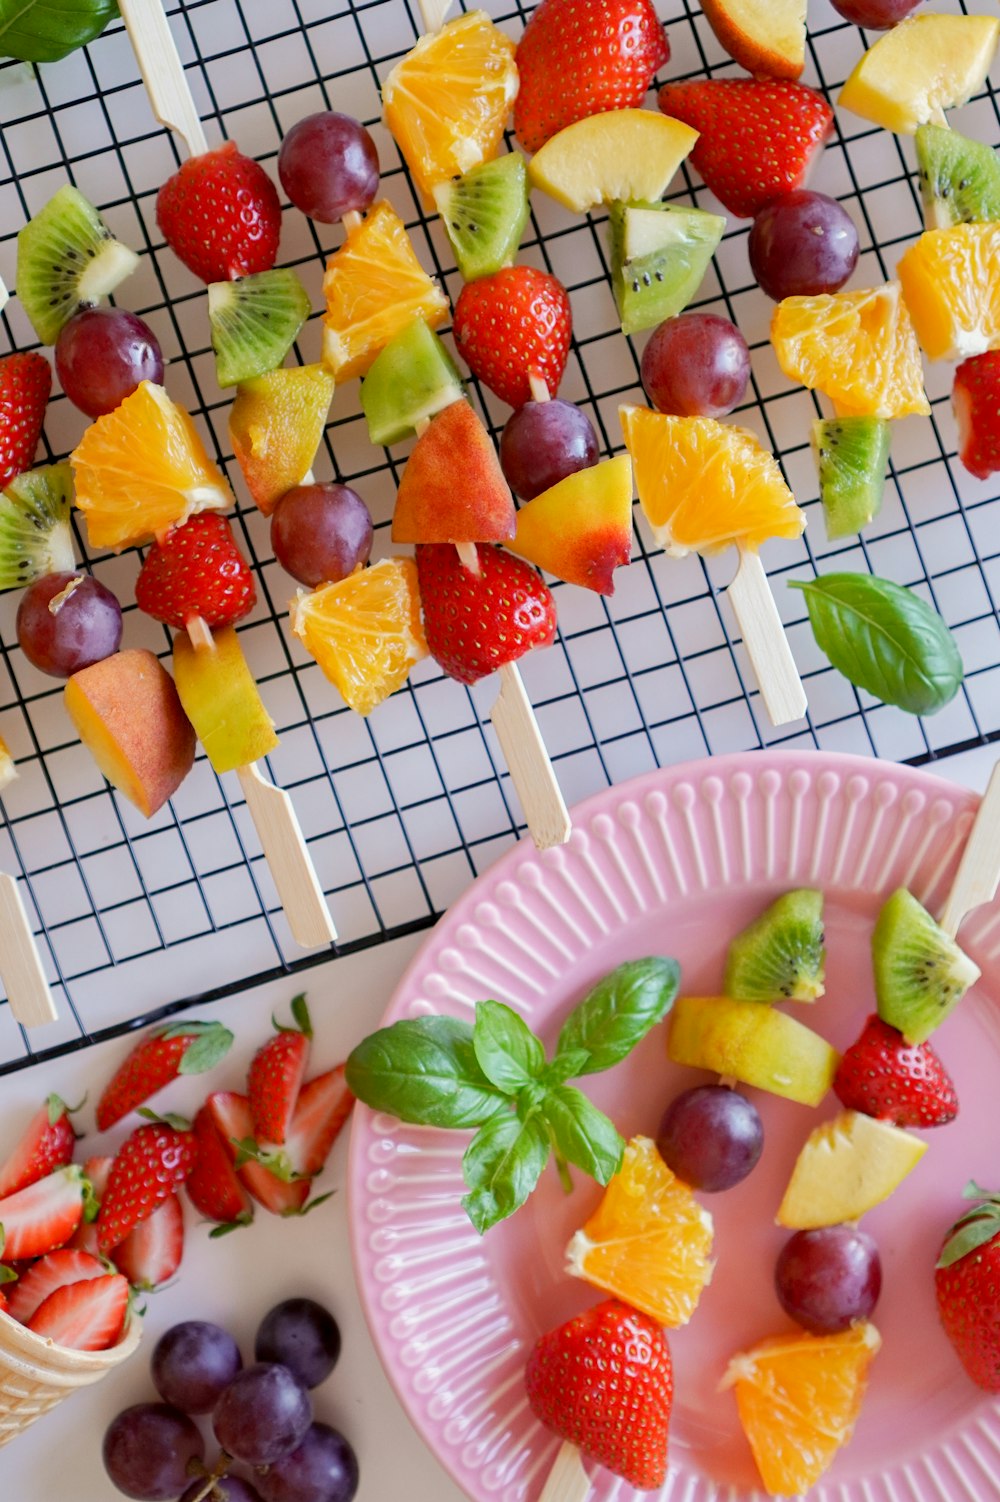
(139, 919)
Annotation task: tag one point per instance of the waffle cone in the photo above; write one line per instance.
(36, 1374)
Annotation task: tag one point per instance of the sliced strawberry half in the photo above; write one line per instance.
(324, 1106)
(276, 1074)
(213, 1186)
(87, 1316)
(47, 1144)
(42, 1217)
(57, 1270)
(976, 400)
(86, 1238)
(152, 1253)
(231, 1114)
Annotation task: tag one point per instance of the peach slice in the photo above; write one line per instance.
(768, 39)
(276, 425)
(581, 529)
(221, 700)
(847, 1167)
(753, 1043)
(453, 489)
(127, 713)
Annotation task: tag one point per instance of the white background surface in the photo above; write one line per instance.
(236, 1280)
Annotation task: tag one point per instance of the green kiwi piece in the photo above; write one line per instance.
(959, 178)
(780, 957)
(851, 455)
(484, 213)
(67, 258)
(659, 257)
(35, 535)
(254, 323)
(920, 973)
(409, 381)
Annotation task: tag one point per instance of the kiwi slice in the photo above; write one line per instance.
(67, 258)
(484, 214)
(35, 536)
(920, 973)
(409, 381)
(254, 323)
(780, 956)
(959, 178)
(659, 256)
(851, 455)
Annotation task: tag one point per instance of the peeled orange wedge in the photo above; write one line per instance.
(798, 1398)
(704, 485)
(951, 283)
(142, 469)
(365, 632)
(648, 1241)
(374, 287)
(858, 348)
(447, 101)
(922, 67)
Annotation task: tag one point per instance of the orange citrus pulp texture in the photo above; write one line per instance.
(447, 101)
(951, 282)
(648, 1241)
(365, 632)
(704, 485)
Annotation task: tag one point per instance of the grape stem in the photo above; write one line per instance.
(221, 1469)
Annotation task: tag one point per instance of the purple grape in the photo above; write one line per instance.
(262, 1415)
(877, 15)
(102, 354)
(66, 622)
(193, 1363)
(696, 365)
(301, 1335)
(147, 1449)
(828, 1279)
(802, 244)
(320, 533)
(225, 1489)
(711, 1137)
(328, 166)
(542, 443)
(323, 1469)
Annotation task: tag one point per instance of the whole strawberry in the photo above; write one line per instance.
(158, 1058)
(25, 384)
(758, 136)
(904, 1083)
(582, 57)
(46, 1144)
(967, 1286)
(976, 400)
(220, 215)
(148, 1167)
(196, 570)
(513, 325)
(604, 1381)
(477, 622)
(276, 1074)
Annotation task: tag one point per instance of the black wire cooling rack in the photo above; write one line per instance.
(138, 919)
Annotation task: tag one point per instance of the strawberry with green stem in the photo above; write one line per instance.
(276, 1073)
(967, 1287)
(47, 1144)
(157, 1060)
(213, 1186)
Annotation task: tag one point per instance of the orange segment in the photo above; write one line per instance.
(951, 283)
(704, 486)
(648, 1240)
(276, 425)
(446, 103)
(798, 1398)
(374, 287)
(142, 469)
(364, 632)
(859, 348)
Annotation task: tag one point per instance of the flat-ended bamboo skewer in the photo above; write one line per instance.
(28, 995)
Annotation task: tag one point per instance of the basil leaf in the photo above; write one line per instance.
(502, 1165)
(884, 639)
(565, 1066)
(583, 1134)
(424, 1070)
(509, 1054)
(619, 1012)
(43, 31)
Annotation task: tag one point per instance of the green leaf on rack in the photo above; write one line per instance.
(501, 1166)
(885, 639)
(425, 1070)
(619, 1012)
(509, 1054)
(43, 31)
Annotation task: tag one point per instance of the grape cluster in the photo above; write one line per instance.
(261, 1416)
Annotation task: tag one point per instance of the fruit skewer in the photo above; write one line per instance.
(28, 994)
(270, 807)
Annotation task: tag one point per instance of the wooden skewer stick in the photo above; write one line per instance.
(20, 964)
(162, 71)
(765, 640)
(4, 295)
(433, 13)
(567, 1480)
(978, 875)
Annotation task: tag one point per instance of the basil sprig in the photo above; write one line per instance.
(38, 31)
(885, 639)
(494, 1075)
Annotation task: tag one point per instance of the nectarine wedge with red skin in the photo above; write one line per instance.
(127, 713)
(581, 529)
(768, 39)
(453, 489)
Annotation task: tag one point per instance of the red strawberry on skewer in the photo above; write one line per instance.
(511, 326)
(196, 570)
(158, 1058)
(976, 400)
(477, 622)
(220, 214)
(47, 1144)
(25, 385)
(904, 1083)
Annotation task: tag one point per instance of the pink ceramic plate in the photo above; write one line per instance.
(675, 863)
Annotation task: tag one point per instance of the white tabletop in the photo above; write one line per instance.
(236, 1280)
